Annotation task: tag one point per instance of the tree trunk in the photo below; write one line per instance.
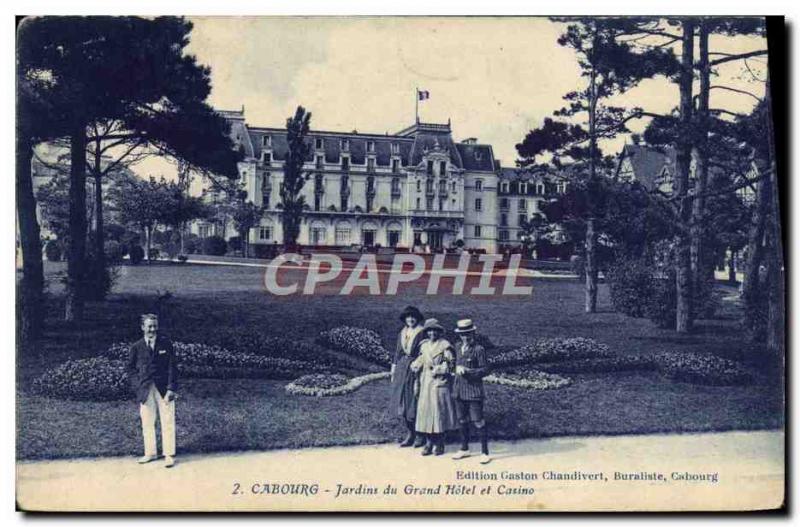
(148, 235)
(732, 267)
(697, 230)
(32, 284)
(775, 272)
(591, 267)
(99, 234)
(683, 264)
(591, 234)
(76, 257)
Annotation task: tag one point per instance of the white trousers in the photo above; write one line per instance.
(156, 404)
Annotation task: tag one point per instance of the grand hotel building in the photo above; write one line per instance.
(417, 189)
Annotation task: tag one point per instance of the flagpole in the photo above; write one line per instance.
(416, 104)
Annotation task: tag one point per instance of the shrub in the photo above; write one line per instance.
(528, 380)
(114, 251)
(191, 243)
(632, 285)
(699, 368)
(154, 254)
(359, 342)
(235, 244)
(551, 350)
(136, 254)
(182, 258)
(214, 246)
(324, 385)
(94, 379)
(53, 251)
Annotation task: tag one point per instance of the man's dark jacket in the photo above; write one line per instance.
(157, 366)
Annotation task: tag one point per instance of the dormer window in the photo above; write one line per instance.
(319, 143)
(478, 155)
(504, 186)
(523, 188)
(395, 165)
(442, 168)
(370, 164)
(267, 141)
(395, 148)
(345, 163)
(478, 185)
(266, 157)
(430, 167)
(345, 145)
(370, 146)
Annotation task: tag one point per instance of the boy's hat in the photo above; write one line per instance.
(465, 325)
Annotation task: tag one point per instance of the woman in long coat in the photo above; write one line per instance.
(436, 413)
(404, 400)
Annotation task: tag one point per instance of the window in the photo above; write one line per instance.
(441, 203)
(319, 143)
(395, 165)
(204, 231)
(345, 145)
(523, 204)
(429, 204)
(453, 186)
(371, 164)
(265, 233)
(478, 204)
(442, 185)
(370, 146)
(521, 220)
(523, 188)
(419, 188)
(345, 164)
(266, 157)
(342, 235)
(318, 236)
(504, 203)
(477, 231)
(429, 186)
(504, 220)
(395, 185)
(478, 185)
(504, 186)
(395, 148)
(266, 140)
(320, 161)
(540, 189)
(430, 167)
(417, 238)
(419, 204)
(503, 236)
(442, 168)
(394, 238)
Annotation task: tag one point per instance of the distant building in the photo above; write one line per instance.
(417, 189)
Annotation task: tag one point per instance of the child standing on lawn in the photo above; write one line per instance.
(404, 400)
(468, 392)
(435, 409)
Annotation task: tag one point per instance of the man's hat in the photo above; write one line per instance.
(465, 325)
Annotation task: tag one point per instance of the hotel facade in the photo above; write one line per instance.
(415, 190)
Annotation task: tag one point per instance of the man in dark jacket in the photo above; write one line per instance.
(153, 373)
(471, 368)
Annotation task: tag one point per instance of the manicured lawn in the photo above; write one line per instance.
(252, 414)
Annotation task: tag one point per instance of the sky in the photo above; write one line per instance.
(493, 78)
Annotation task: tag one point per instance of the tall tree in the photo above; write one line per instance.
(129, 69)
(610, 66)
(297, 128)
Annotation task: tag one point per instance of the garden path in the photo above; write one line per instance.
(749, 467)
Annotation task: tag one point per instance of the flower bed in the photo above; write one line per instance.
(202, 360)
(93, 379)
(322, 385)
(551, 350)
(602, 365)
(359, 342)
(699, 368)
(528, 380)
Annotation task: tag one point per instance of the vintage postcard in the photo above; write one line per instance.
(400, 263)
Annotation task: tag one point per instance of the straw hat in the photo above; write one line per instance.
(432, 323)
(465, 325)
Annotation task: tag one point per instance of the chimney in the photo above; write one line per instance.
(470, 141)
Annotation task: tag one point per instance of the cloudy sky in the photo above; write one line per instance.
(494, 78)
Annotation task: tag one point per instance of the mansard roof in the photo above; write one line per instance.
(412, 143)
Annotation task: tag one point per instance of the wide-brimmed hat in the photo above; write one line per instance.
(464, 325)
(432, 323)
(411, 311)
